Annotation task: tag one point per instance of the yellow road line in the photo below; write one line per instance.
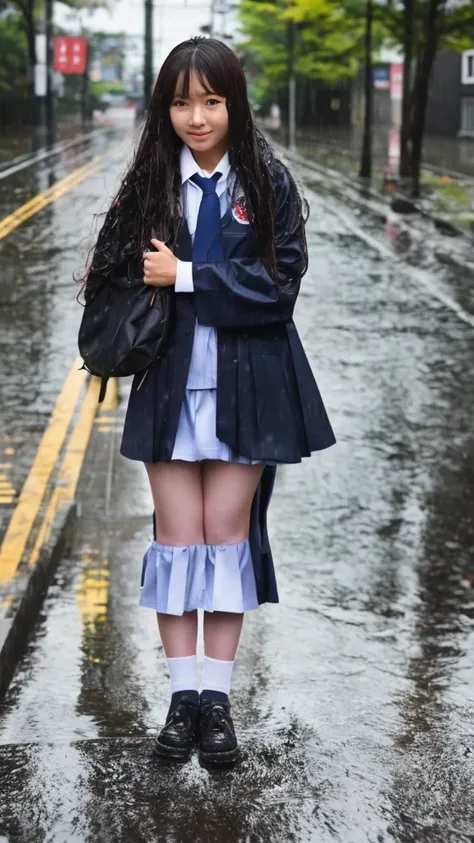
(69, 473)
(38, 202)
(33, 491)
(24, 212)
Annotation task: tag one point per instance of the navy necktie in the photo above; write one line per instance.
(207, 245)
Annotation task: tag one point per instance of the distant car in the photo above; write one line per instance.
(114, 98)
(119, 109)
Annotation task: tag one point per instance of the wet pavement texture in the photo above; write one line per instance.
(451, 155)
(39, 316)
(354, 697)
(447, 177)
(20, 141)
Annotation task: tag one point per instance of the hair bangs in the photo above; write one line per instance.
(208, 69)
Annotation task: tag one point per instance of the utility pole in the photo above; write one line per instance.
(148, 63)
(50, 93)
(291, 87)
(213, 11)
(408, 38)
(85, 88)
(366, 158)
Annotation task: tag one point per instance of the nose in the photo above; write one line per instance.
(197, 116)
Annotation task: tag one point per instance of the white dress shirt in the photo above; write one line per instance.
(203, 366)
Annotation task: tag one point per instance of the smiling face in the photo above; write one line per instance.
(201, 121)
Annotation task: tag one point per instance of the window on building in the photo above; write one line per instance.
(467, 74)
(467, 117)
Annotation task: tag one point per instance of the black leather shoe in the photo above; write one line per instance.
(177, 736)
(217, 742)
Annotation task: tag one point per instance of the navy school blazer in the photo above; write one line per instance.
(268, 404)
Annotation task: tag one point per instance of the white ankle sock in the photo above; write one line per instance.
(216, 675)
(183, 674)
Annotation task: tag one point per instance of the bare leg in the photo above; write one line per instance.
(177, 495)
(228, 491)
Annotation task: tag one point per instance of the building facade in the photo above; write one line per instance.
(450, 109)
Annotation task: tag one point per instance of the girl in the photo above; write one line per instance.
(232, 395)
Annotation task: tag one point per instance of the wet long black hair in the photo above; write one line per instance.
(148, 202)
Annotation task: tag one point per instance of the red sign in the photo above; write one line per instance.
(396, 81)
(70, 54)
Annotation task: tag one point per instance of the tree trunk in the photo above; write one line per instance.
(366, 158)
(409, 31)
(420, 94)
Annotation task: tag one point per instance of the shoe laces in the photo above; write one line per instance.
(217, 717)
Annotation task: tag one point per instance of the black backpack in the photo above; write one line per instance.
(125, 322)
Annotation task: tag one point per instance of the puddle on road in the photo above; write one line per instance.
(113, 791)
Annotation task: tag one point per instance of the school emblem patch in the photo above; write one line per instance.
(239, 211)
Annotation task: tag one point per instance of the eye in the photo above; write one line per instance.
(178, 102)
(213, 100)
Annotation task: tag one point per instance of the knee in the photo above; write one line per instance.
(182, 531)
(222, 526)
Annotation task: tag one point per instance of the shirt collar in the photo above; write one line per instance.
(189, 166)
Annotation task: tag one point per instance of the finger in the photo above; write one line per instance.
(159, 244)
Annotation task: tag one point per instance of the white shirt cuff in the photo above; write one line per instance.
(184, 277)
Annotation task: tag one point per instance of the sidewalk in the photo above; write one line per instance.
(18, 142)
(451, 156)
(447, 177)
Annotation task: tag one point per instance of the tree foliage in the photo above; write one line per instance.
(453, 23)
(13, 51)
(327, 46)
(23, 14)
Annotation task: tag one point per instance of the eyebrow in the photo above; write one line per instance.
(204, 94)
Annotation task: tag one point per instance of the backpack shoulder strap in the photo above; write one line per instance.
(103, 389)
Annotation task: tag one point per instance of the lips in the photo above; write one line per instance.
(199, 135)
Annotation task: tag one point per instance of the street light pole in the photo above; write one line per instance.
(212, 26)
(366, 158)
(148, 58)
(291, 87)
(50, 94)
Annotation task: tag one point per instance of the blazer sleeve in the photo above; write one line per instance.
(240, 293)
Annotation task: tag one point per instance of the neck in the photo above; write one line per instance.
(209, 158)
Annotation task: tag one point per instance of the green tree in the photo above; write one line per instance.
(328, 46)
(13, 52)
(24, 14)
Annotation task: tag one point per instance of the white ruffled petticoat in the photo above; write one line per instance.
(209, 577)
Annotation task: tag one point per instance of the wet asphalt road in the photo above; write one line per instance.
(354, 697)
(38, 312)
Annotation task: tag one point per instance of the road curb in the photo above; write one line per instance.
(28, 591)
(373, 204)
(452, 260)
